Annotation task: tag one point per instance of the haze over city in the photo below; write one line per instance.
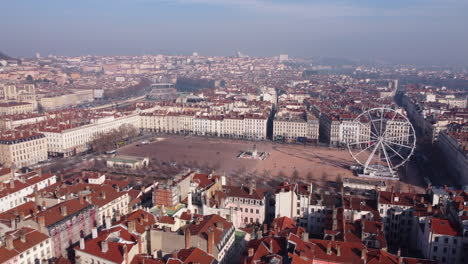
(401, 31)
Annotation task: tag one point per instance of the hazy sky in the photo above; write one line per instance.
(419, 31)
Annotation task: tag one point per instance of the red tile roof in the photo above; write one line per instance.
(265, 249)
(210, 222)
(146, 259)
(27, 209)
(283, 223)
(141, 219)
(194, 255)
(32, 238)
(117, 238)
(443, 227)
(53, 215)
(350, 252)
(204, 180)
(243, 192)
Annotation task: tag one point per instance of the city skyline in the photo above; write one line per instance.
(417, 32)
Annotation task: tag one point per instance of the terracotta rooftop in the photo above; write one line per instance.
(53, 215)
(212, 222)
(118, 240)
(443, 227)
(194, 255)
(31, 238)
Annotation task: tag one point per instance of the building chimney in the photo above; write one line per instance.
(41, 223)
(23, 238)
(9, 242)
(329, 251)
(305, 236)
(13, 223)
(35, 210)
(82, 244)
(131, 226)
(251, 252)
(94, 232)
(140, 245)
(364, 254)
(338, 250)
(63, 210)
(429, 208)
(210, 241)
(104, 246)
(12, 183)
(108, 222)
(81, 198)
(187, 238)
(125, 250)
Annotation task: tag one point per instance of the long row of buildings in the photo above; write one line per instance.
(67, 133)
(440, 117)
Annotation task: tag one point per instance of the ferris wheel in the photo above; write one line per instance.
(381, 140)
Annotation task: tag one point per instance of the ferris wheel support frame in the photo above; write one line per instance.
(385, 145)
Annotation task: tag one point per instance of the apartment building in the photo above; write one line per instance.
(453, 147)
(339, 129)
(115, 245)
(210, 233)
(65, 223)
(26, 245)
(109, 203)
(66, 139)
(401, 215)
(22, 148)
(11, 91)
(295, 127)
(293, 200)
(241, 205)
(441, 241)
(61, 101)
(398, 130)
(16, 108)
(14, 121)
(173, 192)
(162, 121)
(14, 192)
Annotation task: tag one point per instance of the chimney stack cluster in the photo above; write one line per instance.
(63, 210)
(210, 246)
(104, 246)
(131, 226)
(9, 242)
(187, 238)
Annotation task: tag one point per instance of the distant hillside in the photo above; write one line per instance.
(4, 56)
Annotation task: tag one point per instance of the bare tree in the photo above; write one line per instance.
(114, 138)
(339, 178)
(310, 177)
(281, 176)
(398, 186)
(324, 177)
(295, 176)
